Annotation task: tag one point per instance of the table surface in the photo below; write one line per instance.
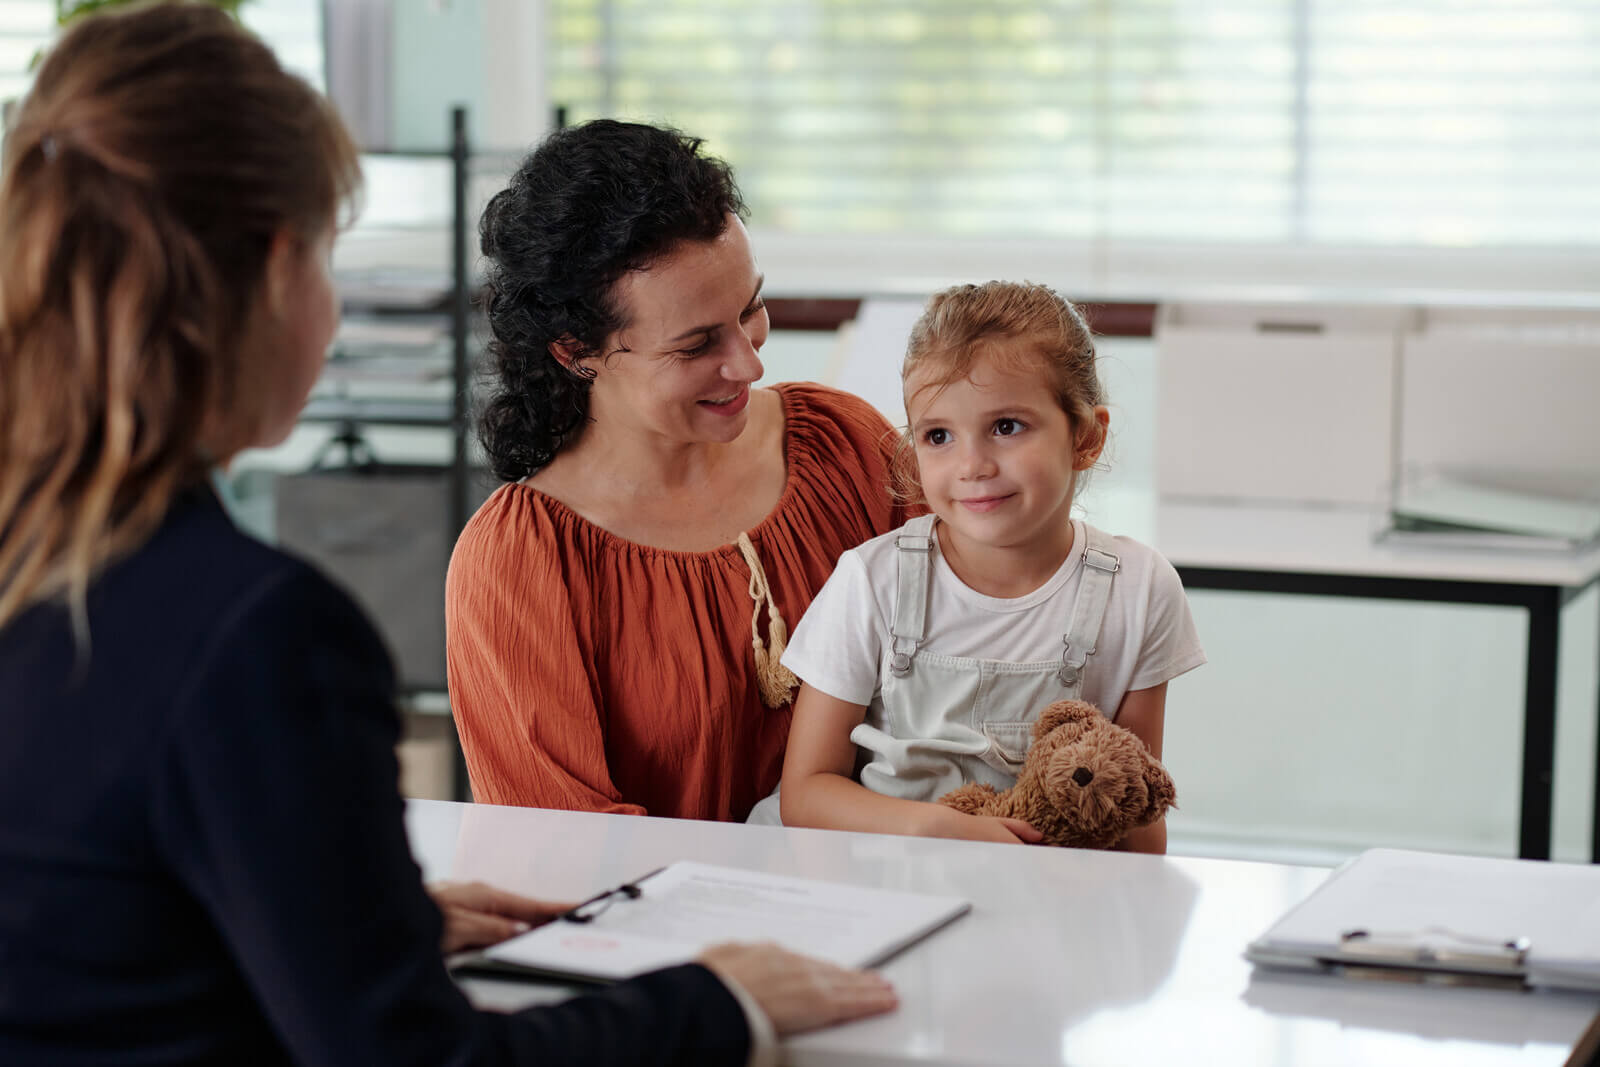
(1341, 541)
(1067, 957)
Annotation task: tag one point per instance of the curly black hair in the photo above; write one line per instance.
(590, 204)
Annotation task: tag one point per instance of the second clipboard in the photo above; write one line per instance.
(1445, 918)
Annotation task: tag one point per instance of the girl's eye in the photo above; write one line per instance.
(752, 310)
(1007, 427)
(936, 437)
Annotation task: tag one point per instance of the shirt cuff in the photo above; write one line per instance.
(763, 1038)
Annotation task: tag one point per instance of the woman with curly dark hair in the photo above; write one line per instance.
(616, 612)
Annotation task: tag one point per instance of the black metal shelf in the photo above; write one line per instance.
(368, 292)
(385, 412)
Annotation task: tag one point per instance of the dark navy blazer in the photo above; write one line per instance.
(202, 859)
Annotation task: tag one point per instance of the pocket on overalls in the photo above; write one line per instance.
(1008, 745)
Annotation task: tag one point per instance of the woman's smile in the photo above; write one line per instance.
(728, 405)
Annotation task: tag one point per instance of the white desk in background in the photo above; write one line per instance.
(1089, 959)
(1331, 552)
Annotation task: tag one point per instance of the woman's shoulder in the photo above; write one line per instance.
(834, 435)
(199, 537)
(220, 588)
(502, 512)
(810, 406)
(524, 549)
(515, 530)
(838, 452)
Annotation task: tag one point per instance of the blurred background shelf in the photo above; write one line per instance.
(377, 480)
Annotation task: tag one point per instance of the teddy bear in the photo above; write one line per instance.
(1084, 783)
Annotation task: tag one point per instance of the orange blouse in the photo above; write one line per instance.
(592, 673)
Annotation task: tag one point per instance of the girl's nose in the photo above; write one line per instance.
(976, 462)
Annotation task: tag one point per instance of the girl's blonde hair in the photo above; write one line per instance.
(146, 176)
(1016, 325)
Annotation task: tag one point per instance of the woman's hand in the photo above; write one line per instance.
(476, 915)
(797, 992)
(941, 821)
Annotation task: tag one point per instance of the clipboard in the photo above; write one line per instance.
(1443, 509)
(1441, 919)
(1433, 955)
(673, 914)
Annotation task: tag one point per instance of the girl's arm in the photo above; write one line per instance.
(819, 788)
(1144, 713)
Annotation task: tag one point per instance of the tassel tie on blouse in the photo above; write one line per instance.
(776, 681)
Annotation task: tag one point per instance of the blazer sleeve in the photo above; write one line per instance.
(274, 805)
(523, 690)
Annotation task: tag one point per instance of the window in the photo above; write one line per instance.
(292, 27)
(294, 30)
(25, 27)
(1433, 123)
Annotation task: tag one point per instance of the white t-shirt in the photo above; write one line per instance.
(1147, 636)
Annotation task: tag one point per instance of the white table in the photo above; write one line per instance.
(1068, 957)
(1332, 552)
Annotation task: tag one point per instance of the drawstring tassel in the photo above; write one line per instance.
(775, 681)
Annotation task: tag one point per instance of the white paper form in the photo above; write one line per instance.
(687, 907)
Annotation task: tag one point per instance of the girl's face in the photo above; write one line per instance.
(998, 457)
(680, 371)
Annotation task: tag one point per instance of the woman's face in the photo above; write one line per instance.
(305, 309)
(681, 369)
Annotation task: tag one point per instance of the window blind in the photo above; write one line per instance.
(1431, 123)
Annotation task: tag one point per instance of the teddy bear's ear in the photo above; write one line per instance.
(1063, 711)
(1158, 785)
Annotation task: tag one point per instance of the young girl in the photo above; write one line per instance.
(931, 649)
(202, 854)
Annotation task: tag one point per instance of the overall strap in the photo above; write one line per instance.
(913, 568)
(1100, 564)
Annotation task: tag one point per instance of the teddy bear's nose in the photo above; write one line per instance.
(1083, 776)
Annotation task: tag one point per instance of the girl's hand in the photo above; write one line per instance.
(476, 915)
(797, 992)
(943, 821)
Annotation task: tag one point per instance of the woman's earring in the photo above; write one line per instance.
(569, 354)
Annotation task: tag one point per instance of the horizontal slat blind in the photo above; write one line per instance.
(1454, 122)
(1448, 122)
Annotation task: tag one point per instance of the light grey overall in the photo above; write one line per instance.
(938, 722)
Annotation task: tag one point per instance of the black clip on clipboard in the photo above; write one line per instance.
(1432, 954)
(590, 909)
(476, 964)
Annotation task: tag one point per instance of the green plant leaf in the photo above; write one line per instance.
(69, 11)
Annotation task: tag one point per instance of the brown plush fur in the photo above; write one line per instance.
(1129, 786)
